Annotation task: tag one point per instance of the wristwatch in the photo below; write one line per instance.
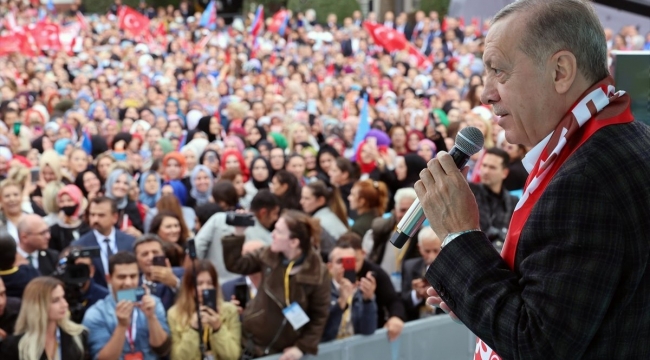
(452, 236)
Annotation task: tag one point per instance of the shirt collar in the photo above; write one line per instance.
(24, 254)
(100, 238)
(533, 155)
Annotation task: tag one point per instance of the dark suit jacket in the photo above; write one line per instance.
(389, 303)
(581, 281)
(48, 260)
(228, 288)
(16, 279)
(69, 351)
(123, 241)
(411, 269)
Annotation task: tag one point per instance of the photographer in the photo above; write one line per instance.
(81, 290)
(157, 273)
(495, 204)
(289, 316)
(265, 208)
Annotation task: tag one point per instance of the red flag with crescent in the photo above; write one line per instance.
(388, 38)
(46, 35)
(132, 21)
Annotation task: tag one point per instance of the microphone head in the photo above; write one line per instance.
(470, 140)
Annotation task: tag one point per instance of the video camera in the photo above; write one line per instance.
(74, 277)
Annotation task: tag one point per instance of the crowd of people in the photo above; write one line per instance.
(140, 177)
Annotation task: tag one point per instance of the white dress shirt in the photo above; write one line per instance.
(13, 231)
(26, 255)
(533, 155)
(102, 245)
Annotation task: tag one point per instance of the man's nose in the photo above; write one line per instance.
(490, 93)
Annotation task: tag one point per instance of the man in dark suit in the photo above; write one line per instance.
(163, 281)
(103, 216)
(573, 280)
(414, 285)
(9, 309)
(34, 235)
(14, 271)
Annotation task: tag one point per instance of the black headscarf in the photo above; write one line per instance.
(204, 125)
(259, 185)
(414, 165)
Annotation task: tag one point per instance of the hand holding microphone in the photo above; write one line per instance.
(444, 197)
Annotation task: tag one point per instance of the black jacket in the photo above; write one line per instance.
(388, 301)
(48, 260)
(69, 350)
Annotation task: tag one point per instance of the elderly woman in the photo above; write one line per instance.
(117, 188)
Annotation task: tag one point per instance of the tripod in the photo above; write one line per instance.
(191, 250)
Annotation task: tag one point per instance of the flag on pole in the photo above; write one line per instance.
(258, 21)
(364, 124)
(209, 16)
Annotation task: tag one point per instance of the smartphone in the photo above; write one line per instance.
(237, 219)
(242, 294)
(17, 127)
(159, 261)
(191, 249)
(210, 298)
(133, 295)
(35, 174)
(349, 267)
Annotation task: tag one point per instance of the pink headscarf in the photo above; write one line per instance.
(75, 194)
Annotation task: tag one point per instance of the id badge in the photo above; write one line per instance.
(396, 279)
(296, 316)
(134, 356)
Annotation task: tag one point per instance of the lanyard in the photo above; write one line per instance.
(206, 335)
(286, 283)
(57, 350)
(131, 332)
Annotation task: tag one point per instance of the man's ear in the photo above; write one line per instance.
(565, 70)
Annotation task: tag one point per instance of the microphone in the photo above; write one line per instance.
(468, 142)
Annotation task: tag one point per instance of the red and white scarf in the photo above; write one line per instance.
(600, 106)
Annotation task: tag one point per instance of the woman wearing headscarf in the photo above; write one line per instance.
(233, 159)
(117, 188)
(69, 225)
(201, 181)
(210, 125)
(278, 139)
(150, 188)
(211, 159)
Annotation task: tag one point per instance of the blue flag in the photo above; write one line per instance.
(209, 16)
(364, 124)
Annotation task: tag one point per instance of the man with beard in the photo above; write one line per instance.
(102, 217)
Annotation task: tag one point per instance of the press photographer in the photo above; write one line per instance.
(76, 271)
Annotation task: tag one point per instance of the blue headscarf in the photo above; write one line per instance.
(60, 145)
(148, 199)
(180, 191)
(201, 197)
(112, 178)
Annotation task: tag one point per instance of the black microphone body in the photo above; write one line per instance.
(468, 142)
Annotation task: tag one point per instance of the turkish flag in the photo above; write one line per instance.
(422, 60)
(67, 36)
(9, 44)
(388, 38)
(132, 21)
(46, 35)
(278, 20)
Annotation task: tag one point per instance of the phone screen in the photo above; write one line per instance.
(133, 295)
(349, 267)
(241, 294)
(35, 175)
(159, 261)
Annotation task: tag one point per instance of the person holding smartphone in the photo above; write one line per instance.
(220, 329)
(350, 314)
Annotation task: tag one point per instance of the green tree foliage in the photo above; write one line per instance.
(342, 8)
(441, 6)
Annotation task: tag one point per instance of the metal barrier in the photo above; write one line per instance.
(433, 338)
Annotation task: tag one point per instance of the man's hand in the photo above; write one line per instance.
(123, 312)
(148, 304)
(346, 289)
(234, 301)
(164, 275)
(446, 198)
(394, 327)
(436, 301)
(420, 288)
(367, 285)
(292, 353)
(3, 334)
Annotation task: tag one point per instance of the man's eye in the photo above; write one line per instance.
(496, 71)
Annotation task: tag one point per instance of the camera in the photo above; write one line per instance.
(239, 219)
(74, 277)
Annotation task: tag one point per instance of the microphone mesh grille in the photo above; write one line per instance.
(470, 140)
